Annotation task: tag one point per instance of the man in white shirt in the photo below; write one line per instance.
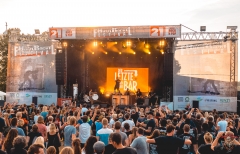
(84, 109)
(130, 122)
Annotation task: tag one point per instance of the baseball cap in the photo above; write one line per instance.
(99, 146)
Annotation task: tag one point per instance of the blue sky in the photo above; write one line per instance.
(42, 14)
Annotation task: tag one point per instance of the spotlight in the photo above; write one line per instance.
(146, 46)
(93, 53)
(95, 43)
(115, 42)
(149, 53)
(65, 44)
(128, 43)
(162, 51)
(162, 43)
(106, 53)
(120, 53)
(134, 53)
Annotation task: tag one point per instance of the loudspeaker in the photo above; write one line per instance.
(2, 103)
(35, 100)
(195, 104)
(59, 65)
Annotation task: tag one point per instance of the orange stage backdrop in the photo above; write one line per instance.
(132, 78)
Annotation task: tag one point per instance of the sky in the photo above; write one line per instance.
(42, 14)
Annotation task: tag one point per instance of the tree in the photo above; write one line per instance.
(3, 60)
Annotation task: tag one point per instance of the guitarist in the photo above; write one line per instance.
(151, 96)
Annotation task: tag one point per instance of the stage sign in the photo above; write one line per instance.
(151, 31)
(30, 71)
(131, 78)
(62, 33)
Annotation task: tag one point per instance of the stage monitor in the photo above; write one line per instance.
(131, 78)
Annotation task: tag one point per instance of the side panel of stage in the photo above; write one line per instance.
(202, 73)
(31, 74)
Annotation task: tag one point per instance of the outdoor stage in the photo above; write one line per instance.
(72, 60)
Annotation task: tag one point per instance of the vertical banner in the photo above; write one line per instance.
(31, 72)
(202, 71)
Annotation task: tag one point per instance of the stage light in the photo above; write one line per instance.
(115, 43)
(134, 53)
(149, 53)
(65, 44)
(162, 43)
(95, 43)
(93, 53)
(106, 53)
(162, 51)
(146, 46)
(119, 53)
(128, 43)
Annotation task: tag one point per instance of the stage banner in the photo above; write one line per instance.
(26, 97)
(131, 78)
(151, 31)
(207, 103)
(163, 105)
(31, 70)
(202, 69)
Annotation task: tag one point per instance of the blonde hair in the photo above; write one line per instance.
(67, 150)
(39, 140)
(20, 122)
(19, 115)
(40, 120)
(208, 138)
(51, 150)
(104, 121)
(72, 120)
(52, 128)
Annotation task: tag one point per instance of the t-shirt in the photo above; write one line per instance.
(186, 148)
(109, 149)
(20, 131)
(44, 114)
(98, 125)
(126, 150)
(220, 150)
(168, 144)
(140, 145)
(31, 137)
(135, 117)
(85, 132)
(130, 122)
(123, 137)
(205, 149)
(2, 124)
(103, 135)
(111, 123)
(84, 110)
(151, 123)
(89, 122)
(68, 131)
(222, 125)
(42, 129)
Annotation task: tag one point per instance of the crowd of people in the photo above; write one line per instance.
(72, 129)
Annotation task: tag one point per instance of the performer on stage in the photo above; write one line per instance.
(151, 96)
(117, 85)
(139, 97)
(86, 98)
(127, 92)
(90, 95)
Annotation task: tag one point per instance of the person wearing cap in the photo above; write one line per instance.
(99, 147)
(169, 144)
(230, 145)
(149, 127)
